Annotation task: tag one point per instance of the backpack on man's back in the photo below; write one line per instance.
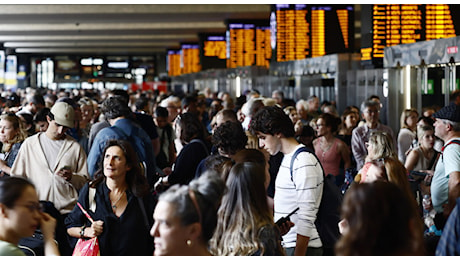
(328, 216)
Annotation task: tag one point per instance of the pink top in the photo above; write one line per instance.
(330, 159)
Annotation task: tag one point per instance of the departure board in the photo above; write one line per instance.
(304, 31)
(213, 51)
(248, 43)
(190, 58)
(173, 62)
(394, 24)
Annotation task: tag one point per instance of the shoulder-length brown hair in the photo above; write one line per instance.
(135, 178)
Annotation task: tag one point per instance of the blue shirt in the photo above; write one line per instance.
(106, 134)
(449, 243)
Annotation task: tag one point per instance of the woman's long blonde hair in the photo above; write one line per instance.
(17, 125)
(243, 214)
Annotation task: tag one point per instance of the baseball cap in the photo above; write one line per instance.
(63, 114)
(450, 112)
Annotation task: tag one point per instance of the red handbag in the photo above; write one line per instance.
(89, 247)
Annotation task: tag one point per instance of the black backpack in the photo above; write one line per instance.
(328, 216)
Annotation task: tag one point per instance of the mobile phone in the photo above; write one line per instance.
(417, 173)
(283, 220)
(160, 172)
(66, 168)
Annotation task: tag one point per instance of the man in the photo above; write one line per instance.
(278, 95)
(119, 116)
(445, 186)
(303, 190)
(144, 120)
(312, 108)
(249, 109)
(54, 161)
(173, 104)
(360, 135)
(34, 103)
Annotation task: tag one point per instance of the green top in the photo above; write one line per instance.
(8, 249)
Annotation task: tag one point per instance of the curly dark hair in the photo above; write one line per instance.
(230, 137)
(114, 107)
(272, 120)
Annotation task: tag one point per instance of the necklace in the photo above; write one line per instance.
(114, 204)
(325, 146)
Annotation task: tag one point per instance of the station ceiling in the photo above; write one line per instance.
(114, 29)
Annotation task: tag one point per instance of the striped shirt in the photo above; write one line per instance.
(303, 191)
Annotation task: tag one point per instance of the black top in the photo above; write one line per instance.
(124, 235)
(145, 121)
(187, 162)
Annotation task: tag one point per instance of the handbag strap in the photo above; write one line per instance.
(91, 195)
(84, 212)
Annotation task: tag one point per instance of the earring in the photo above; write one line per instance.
(189, 242)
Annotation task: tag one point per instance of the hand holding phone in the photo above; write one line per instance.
(283, 220)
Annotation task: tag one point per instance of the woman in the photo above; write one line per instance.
(350, 119)
(379, 220)
(20, 215)
(380, 145)
(428, 121)
(186, 216)
(85, 123)
(329, 149)
(423, 157)
(261, 157)
(123, 204)
(192, 135)
(41, 124)
(294, 116)
(245, 225)
(408, 131)
(12, 134)
(390, 170)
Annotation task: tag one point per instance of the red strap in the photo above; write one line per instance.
(84, 212)
(451, 142)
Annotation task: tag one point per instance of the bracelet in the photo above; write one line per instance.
(82, 231)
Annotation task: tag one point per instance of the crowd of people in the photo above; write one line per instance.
(205, 174)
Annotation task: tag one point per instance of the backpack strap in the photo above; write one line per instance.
(455, 141)
(299, 150)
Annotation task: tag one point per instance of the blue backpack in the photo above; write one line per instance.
(328, 216)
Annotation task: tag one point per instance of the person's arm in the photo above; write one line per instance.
(156, 146)
(411, 160)
(4, 168)
(94, 230)
(345, 153)
(47, 226)
(358, 151)
(454, 192)
(301, 245)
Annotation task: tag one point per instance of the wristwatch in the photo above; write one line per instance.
(82, 231)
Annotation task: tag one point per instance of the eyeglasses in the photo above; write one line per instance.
(372, 111)
(33, 207)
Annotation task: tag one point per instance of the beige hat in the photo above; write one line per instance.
(63, 114)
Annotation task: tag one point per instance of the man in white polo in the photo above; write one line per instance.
(445, 186)
(54, 161)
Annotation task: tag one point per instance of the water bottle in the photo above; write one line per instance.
(426, 204)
